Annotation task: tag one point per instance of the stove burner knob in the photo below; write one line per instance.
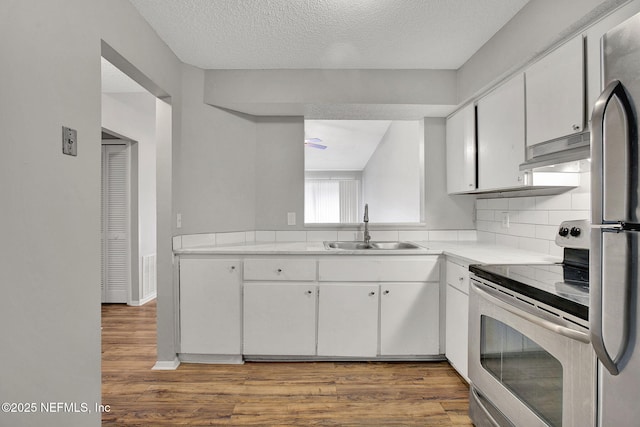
(564, 231)
(575, 231)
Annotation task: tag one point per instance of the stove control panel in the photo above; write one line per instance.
(574, 234)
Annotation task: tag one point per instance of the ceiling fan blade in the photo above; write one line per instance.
(319, 146)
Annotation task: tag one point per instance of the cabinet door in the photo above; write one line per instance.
(280, 319)
(348, 320)
(461, 150)
(210, 306)
(555, 93)
(457, 330)
(409, 319)
(501, 142)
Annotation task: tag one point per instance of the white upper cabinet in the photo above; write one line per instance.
(461, 151)
(555, 94)
(501, 129)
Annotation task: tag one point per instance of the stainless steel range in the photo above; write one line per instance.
(530, 358)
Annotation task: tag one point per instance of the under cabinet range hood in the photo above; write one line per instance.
(542, 181)
(562, 150)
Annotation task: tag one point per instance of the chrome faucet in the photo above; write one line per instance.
(367, 236)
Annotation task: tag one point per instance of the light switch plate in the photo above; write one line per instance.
(69, 141)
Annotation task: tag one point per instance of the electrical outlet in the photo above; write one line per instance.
(69, 141)
(505, 219)
(291, 218)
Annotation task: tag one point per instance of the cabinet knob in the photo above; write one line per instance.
(372, 293)
(279, 270)
(461, 278)
(576, 127)
(386, 292)
(309, 292)
(233, 267)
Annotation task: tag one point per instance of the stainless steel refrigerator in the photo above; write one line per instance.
(615, 235)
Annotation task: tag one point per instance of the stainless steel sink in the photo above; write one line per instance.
(394, 245)
(356, 246)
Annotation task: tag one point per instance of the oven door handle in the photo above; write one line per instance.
(495, 298)
(485, 412)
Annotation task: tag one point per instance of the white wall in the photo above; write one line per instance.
(50, 257)
(216, 187)
(279, 172)
(391, 179)
(133, 115)
(49, 302)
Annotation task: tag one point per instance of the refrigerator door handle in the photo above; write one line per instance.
(596, 313)
(615, 89)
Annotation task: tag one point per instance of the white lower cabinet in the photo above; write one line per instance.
(457, 317)
(348, 320)
(210, 305)
(298, 306)
(409, 319)
(280, 319)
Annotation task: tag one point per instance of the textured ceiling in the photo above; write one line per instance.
(379, 34)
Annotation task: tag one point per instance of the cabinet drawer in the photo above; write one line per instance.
(280, 269)
(458, 276)
(378, 269)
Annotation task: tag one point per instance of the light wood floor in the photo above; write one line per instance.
(266, 394)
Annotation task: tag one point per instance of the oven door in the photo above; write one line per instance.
(527, 367)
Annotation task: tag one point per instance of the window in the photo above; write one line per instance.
(331, 200)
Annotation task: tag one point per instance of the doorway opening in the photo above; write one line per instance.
(158, 207)
(128, 190)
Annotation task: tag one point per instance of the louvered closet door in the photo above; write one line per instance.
(115, 224)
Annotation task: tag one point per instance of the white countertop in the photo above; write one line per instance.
(468, 251)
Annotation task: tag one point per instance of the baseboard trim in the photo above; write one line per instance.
(166, 365)
(220, 359)
(272, 358)
(144, 300)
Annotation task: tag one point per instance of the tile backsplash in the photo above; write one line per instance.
(530, 223)
(281, 236)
